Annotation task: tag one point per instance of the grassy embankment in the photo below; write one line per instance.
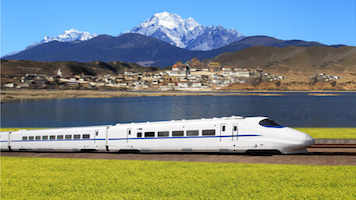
(340, 133)
(58, 178)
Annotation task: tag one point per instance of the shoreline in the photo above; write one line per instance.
(15, 95)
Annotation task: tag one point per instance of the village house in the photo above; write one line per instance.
(130, 73)
(238, 80)
(324, 77)
(9, 85)
(179, 66)
(37, 80)
(195, 65)
(197, 84)
(184, 84)
(140, 84)
(227, 71)
(241, 73)
(178, 69)
(120, 78)
(122, 85)
(214, 67)
(72, 84)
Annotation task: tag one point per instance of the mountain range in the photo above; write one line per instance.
(168, 27)
(160, 41)
(136, 48)
(186, 33)
(67, 36)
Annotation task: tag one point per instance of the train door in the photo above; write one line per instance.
(222, 132)
(96, 134)
(235, 132)
(9, 141)
(107, 138)
(128, 136)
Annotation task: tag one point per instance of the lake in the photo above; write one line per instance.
(294, 109)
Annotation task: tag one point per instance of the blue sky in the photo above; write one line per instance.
(327, 21)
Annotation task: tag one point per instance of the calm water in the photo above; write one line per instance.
(294, 110)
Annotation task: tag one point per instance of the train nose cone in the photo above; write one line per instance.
(309, 140)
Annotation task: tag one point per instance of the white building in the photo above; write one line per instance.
(177, 72)
(241, 73)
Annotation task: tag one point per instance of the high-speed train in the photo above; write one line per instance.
(254, 135)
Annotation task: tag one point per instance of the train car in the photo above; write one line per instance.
(254, 135)
(60, 139)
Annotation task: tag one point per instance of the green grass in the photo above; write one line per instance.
(55, 178)
(16, 129)
(340, 133)
(314, 132)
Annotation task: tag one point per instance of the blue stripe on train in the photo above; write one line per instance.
(183, 137)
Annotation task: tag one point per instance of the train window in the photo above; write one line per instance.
(163, 133)
(208, 132)
(59, 137)
(86, 136)
(76, 136)
(68, 137)
(177, 133)
(24, 138)
(45, 137)
(149, 134)
(270, 123)
(223, 128)
(30, 138)
(235, 128)
(52, 137)
(139, 134)
(193, 133)
(38, 137)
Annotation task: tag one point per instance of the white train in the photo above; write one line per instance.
(234, 134)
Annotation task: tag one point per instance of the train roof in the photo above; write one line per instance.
(184, 120)
(215, 119)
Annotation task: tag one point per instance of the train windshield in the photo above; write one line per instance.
(270, 123)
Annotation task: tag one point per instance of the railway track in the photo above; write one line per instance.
(334, 143)
(324, 152)
(316, 156)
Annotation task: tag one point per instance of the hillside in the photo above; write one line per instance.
(21, 67)
(287, 61)
(294, 62)
(129, 47)
(136, 48)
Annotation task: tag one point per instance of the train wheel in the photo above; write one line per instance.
(129, 151)
(263, 152)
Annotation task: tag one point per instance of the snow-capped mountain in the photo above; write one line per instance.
(186, 33)
(67, 36)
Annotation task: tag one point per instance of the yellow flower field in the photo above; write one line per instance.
(58, 178)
